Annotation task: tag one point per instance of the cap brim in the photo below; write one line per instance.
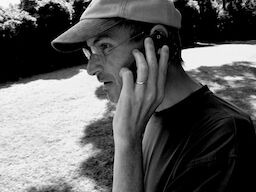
(75, 38)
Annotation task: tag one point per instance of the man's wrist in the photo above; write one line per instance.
(128, 144)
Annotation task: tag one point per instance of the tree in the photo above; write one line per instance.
(79, 6)
(189, 10)
(29, 6)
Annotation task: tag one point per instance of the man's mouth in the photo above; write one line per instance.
(107, 82)
(104, 81)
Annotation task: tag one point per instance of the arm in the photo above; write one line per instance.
(128, 168)
(135, 106)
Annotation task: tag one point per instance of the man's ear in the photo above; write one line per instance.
(160, 29)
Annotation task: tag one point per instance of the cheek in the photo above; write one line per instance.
(128, 63)
(115, 65)
(119, 60)
(118, 83)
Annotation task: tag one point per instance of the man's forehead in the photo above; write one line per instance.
(94, 40)
(113, 34)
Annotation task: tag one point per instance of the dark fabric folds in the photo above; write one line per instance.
(201, 144)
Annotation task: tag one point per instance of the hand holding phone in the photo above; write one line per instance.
(159, 38)
(138, 100)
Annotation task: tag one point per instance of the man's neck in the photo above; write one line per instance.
(178, 86)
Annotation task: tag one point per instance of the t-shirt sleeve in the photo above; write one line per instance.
(225, 162)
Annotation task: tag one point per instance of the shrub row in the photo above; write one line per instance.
(25, 36)
(27, 30)
(217, 20)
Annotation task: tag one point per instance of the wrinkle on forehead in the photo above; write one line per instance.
(92, 41)
(111, 34)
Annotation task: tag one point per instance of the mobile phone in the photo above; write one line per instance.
(159, 39)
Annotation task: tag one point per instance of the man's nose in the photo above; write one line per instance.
(93, 67)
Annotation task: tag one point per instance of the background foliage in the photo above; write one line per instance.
(27, 30)
(217, 20)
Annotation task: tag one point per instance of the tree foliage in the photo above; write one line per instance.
(79, 7)
(26, 31)
(218, 20)
(16, 27)
(25, 38)
(189, 10)
(29, 6)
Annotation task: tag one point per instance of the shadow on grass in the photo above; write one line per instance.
(61, 187)
(208, 44)
(98, 167)
(55, 75)
(234, 82)
(99, 133)
(62, 73)
(101, 93)
(249, 42)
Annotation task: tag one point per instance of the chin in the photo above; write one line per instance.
(113, 94)
(112, 97)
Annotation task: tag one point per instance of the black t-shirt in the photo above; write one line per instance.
(201, 144)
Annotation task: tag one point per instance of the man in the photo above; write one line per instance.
(170, 132)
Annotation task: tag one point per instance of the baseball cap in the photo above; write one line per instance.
(95, 19)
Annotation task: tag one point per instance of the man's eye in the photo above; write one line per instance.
(105, 46)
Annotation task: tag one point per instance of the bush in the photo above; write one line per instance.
(26, 32)
(16, 34)
(79, 6)
(243, 16)
(216, 20)
(208, 21)
(25, 39)
(52, 18)
(14, 21)
(29, 6)
(189, 10)
(224, 25)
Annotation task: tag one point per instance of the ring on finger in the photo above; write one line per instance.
(140, 82)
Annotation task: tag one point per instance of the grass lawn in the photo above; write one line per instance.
(6, 3)
(55, 128)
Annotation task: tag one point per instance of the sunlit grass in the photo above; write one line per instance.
(59, 125)
(6, 3)
(235, 82)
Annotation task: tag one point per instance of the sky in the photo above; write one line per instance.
(5, 3)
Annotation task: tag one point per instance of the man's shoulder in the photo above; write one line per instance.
(219, 109)
(219, 119)
(224, 114)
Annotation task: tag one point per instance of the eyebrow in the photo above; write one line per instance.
(100, 37)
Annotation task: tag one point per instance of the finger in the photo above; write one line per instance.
(142, 72)
(152, 62)
(141, 64)
(162, 71)
(127, 81)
